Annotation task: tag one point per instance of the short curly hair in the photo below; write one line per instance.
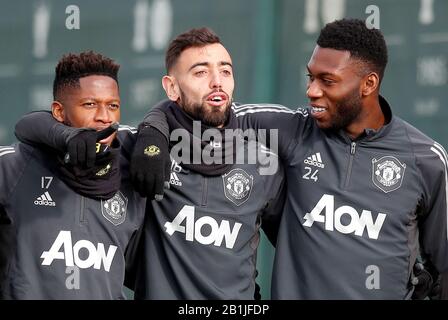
(72, 67)
(367, 45)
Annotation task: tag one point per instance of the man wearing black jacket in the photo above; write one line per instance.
(367, 192)
(201, 240)
(70, 225)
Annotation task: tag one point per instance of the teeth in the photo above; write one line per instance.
(217, 98)
(315, 109)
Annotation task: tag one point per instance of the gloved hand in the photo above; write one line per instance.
(150, 163)
(81, 145)
(426, 284)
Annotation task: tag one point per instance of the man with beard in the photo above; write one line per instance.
(70, 225)
(367, 192)
(201, 240)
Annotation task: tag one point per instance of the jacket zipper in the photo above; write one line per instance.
(204, 192)
(82, 210)
(350, 164)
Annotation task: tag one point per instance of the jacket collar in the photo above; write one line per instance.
(372, 134)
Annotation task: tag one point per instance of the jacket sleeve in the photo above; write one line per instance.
(132, 254)
(433, 226)
(444, 286)
(275, 126)
(7, 243)
(10, 167)
(274, 208)
(127, 136)
(156, 118)
(41, 128)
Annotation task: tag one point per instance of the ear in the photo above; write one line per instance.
(57, 109)
(169, 83)
(370, 84)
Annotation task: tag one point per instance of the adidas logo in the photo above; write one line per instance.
(175, 169)
(174, 179)
(45, 200)
(315, 160)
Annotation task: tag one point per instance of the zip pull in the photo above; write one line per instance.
(353, 148)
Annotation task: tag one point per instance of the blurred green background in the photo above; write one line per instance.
(270, 41)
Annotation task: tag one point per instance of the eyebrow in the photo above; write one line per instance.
(321, 74)
(205, 64)
(326, 74)
(96, 99)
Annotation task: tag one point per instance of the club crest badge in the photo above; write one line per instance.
(237, 186)
(387, 173)
(114, 209)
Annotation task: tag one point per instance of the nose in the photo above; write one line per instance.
(102, 114)
(313, 91)
(216, 81)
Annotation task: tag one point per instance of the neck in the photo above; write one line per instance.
(371, 117)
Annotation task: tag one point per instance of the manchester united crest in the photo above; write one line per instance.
(387, 173)
(114, 209)
(237, 186)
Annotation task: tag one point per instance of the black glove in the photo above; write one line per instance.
(150, 163)
(426, 283)
(82, 145)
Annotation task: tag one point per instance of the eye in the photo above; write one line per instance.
(114, 106)
(227, 72)
(89, 104)
(310, 77)
(328, 81)
(200, 73)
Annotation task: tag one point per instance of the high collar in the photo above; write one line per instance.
(219, 145)
(371, 134)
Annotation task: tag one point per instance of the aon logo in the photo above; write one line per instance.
(70, 253)
(332, 218)
(193, 229)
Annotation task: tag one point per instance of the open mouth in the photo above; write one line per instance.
(217, 98)
(317, 109)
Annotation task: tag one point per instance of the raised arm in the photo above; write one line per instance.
(279, 127)
(150, 162)
(41, 128)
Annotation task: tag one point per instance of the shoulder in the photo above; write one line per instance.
(7, 150)
(421, 143)
(125, 131)
(428, 152)
(127, 136)
(13, 153)
(14, 160)
(245, 109)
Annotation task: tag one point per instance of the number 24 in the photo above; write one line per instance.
(310, 175)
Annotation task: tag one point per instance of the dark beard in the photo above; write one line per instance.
(213, 118)
(200, 112)
(347, 111)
